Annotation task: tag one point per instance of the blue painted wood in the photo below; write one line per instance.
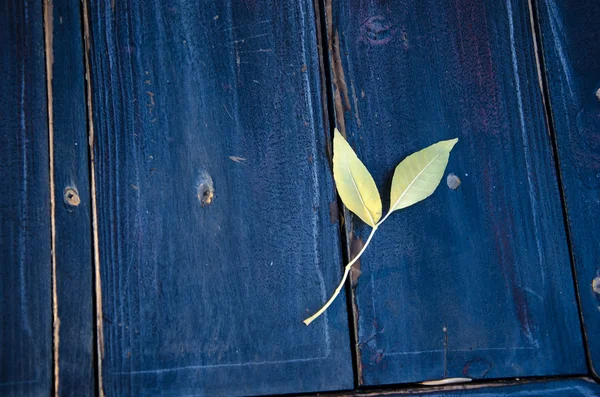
(74, 287)
(569, 32)
(473, 282)
(25, 266)
(557, 388)
(214, 193)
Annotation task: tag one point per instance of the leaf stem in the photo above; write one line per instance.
(383, 220)
(341, 285)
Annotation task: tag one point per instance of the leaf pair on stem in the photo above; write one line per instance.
(415, 179)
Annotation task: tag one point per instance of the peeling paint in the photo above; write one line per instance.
(447, 381)
(237, 159)
(355, 100)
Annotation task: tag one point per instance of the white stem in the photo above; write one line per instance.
(383, 220)
(339, 287)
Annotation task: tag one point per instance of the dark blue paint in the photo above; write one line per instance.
(25, 266)
(556, 388)
(73, 220)
(570, 33)
(473, 282)
(209, 299)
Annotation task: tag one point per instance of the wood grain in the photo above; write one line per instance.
(25, 263)
(473, 282)
(569, 33)
(214, 192)
(74, 337)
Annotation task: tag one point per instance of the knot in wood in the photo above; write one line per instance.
(71, 196)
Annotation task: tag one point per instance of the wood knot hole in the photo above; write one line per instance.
(596, 285)
(453, 181)
(377, 30)
(71, 196)
(205, 189)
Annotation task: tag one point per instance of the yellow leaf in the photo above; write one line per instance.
(418, 175)
(354, 183)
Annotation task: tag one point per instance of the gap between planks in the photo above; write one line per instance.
(49, 52)
(97, 281)
(324, 30)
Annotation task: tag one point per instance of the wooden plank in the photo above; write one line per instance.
(214, 193)
(473, 282)
(559, 388)
(74, 337)
(25, 263)
(569, 31)
(577, 387)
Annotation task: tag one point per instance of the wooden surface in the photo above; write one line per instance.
(583, 387)
(473, 282)
(570, 33)
(218, 217)
(74, 287)
(25, 266)
(204, 292)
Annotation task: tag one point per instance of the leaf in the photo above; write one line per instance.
(418, 175)
(354, 182)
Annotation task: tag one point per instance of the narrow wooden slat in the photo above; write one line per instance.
(577, 387)
(570, 33)
(216, 224)
(473, 282)
(74, 341)
(25, 264)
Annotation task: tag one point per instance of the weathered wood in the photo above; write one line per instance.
(473, 282)
(214, 193)
(576, 387)
(74, 300)
(570, 34)
(25, 263)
